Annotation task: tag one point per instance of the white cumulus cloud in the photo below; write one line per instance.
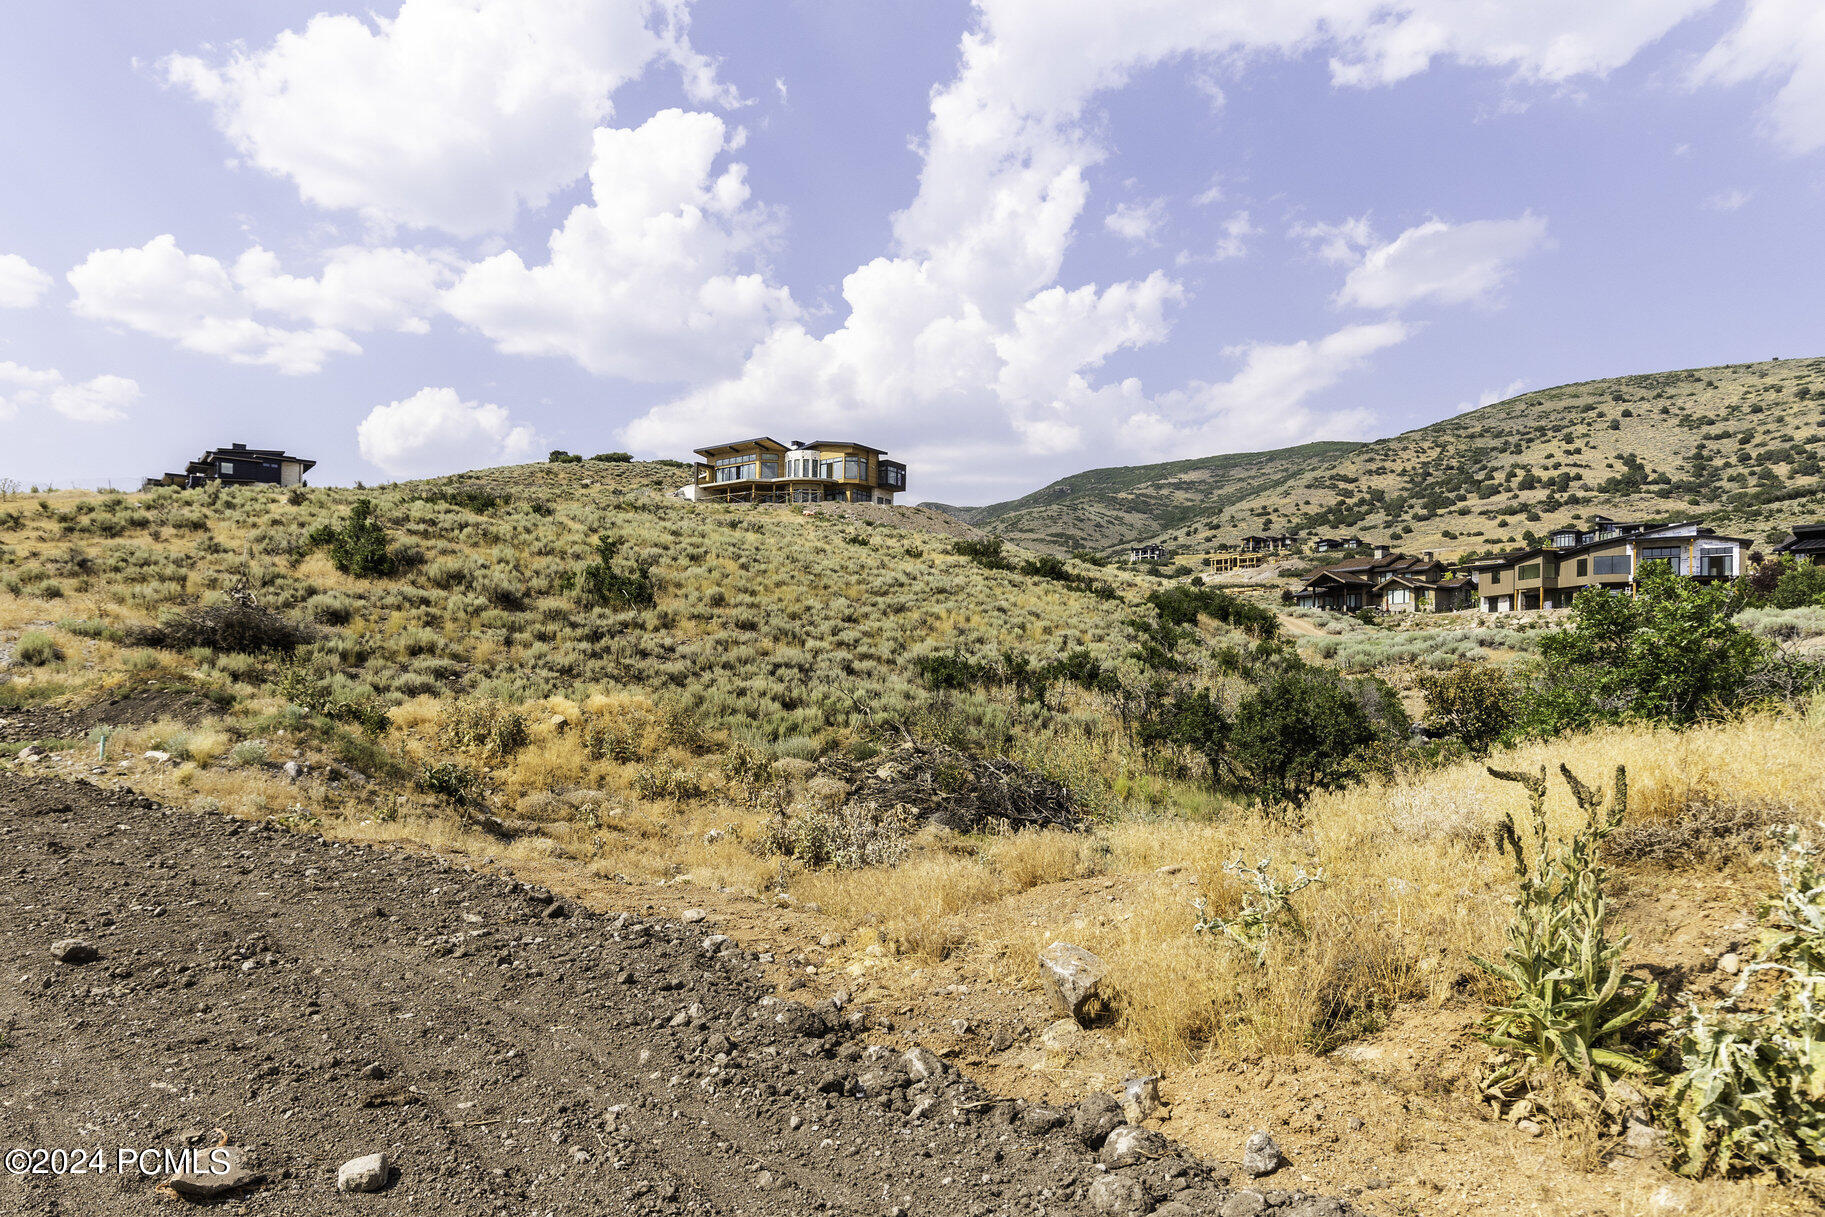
(645, 280)
(100, 399)
(435, 431)
(22, 285)
(1137, 223)
(1490, 397)
(247, 312)
(1782, 40)
(451, 113)
(1448, 263)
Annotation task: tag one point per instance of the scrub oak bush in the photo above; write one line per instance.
(359, 546)
(1477, 703)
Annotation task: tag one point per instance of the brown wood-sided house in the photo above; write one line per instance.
(1609, 556)
(1389, 583)
(1806, 544)
(763, 470)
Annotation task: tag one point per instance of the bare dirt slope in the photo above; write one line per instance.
(511, 1050)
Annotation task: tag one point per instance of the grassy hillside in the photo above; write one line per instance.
(562, 670)
(1104, 509)
(1738, 446)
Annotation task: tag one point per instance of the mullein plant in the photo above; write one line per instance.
(1571, 1005)
(1750, 1094)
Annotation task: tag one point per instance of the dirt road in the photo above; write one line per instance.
(511, 1052)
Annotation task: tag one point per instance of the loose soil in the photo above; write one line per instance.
(310, 1001)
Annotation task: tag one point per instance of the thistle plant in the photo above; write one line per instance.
(1266, 908)
(1750, 1094)
(1571, 1004)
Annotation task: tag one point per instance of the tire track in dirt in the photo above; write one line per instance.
(513, 1052)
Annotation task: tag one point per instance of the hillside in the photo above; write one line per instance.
(829, 737)
(1104, 509)
(1738, 446)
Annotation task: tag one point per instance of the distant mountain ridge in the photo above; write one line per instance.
(1738, 445)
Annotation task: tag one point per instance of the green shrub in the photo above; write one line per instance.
(36, 649)
(617, 458)
(1475, 702)
(449, 780)
(561, 457)
(1303, 729)
(612, 582)
(488, 727)
(985, 552)
(1184, 605)
(359, 547)
(1671, 654)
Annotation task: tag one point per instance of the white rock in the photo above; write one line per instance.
(1730, 963)
(1072, 977)
(1260, 1156)
(367, 1173)
(691, 915)
(922, 1063)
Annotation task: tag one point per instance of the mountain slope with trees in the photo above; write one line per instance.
(1738, 446)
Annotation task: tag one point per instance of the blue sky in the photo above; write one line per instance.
(1005, 240)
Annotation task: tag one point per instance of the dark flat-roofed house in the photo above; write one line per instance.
(239, 465)
(1807, 544)
(763, 470)
(1268, 543)
(1326, 545)
(1148, 553)
(1393, 583)
(1608, 555)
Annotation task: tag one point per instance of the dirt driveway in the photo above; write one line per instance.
(307, 1002)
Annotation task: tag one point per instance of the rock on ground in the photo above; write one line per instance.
(1260, 1156)
(367, 1173)
(1073, 979)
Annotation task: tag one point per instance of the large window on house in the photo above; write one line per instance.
(736, 468)
(1530, 571)
(892, 475)
(1717, 561)
(1584, 567)
(1612, 564)
(1673, 555)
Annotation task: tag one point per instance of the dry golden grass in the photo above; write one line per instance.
(1411, 887)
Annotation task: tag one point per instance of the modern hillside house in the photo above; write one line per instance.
(1807, 544)
(1610, 555)
(1327, 545)
(1268, 543)
(239, 465)
(1222, 562)
(1148, 553)
(763, 470)
(1389, 583)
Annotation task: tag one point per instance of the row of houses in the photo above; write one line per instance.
(1390, 582)
(1609, 554)
(1253, 551)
